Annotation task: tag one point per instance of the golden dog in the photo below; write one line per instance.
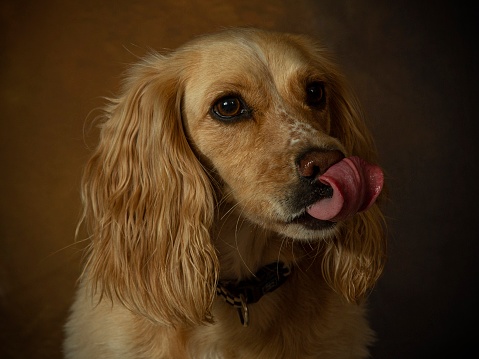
(205, 202)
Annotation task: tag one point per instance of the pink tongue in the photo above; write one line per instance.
(356, 185)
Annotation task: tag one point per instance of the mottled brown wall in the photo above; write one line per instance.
(413, 65)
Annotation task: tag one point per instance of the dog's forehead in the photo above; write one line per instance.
(249, 56)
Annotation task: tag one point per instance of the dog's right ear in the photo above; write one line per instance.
(149, 204)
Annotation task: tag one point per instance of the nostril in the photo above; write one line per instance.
(308, 167)
(315, 162)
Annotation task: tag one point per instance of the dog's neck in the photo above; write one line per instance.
(254, 261)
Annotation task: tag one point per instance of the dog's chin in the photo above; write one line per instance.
(306, 227)
(311, 223)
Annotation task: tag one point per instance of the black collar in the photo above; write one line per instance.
(249, 291)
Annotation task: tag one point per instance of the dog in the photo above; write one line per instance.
(222, 212)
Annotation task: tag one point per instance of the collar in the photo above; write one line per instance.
(249, 291)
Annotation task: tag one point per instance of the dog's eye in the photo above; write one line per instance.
(315, 95)
(229, 108)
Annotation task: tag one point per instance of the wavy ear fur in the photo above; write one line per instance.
(355, 260)
(148, 203)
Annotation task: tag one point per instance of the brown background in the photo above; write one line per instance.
(413, 64)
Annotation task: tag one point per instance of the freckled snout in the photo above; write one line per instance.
(315, 162)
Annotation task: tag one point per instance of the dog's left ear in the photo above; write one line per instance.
(149, 204)
(355, 260)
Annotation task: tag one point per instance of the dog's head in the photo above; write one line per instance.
(245, 117)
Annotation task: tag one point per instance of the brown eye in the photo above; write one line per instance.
(315, 96)
(229, 108)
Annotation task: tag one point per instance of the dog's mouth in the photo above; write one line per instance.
(306, 197)
(346, 188)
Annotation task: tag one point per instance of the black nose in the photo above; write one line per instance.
(315, 162)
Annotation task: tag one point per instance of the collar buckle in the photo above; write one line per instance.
(249, 291)
(243, 311)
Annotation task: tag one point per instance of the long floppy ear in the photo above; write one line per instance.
(148, 203)
(355, 260)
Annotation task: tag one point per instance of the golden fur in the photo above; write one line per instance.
(176, 199)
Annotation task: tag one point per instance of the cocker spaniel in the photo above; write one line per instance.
(231, 204)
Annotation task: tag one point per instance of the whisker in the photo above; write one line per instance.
(238, 225)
